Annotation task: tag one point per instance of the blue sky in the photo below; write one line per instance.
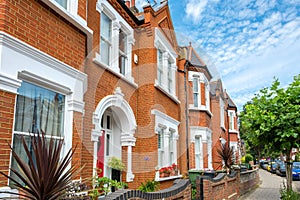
(245, 42)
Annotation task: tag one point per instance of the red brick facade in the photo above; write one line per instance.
(56, 52)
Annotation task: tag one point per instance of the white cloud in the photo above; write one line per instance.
(194, 8)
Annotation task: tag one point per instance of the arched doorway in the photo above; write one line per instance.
(115, 126)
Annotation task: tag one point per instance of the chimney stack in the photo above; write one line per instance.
(132, 3)
(127, 3)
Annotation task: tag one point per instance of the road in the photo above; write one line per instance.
(269, 188)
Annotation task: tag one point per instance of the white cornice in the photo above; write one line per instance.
(35, 54)
(9, 84)
(165, 116)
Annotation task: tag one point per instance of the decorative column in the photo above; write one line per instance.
(115, 46)
(128, 140)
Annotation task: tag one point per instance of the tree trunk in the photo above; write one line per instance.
(289, 175)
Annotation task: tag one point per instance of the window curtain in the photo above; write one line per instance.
(39, 109)
(36, 109)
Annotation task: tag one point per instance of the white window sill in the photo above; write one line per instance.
(233, 131)
(202, 108)
(129, 80)
(168, 178)
(162, 89)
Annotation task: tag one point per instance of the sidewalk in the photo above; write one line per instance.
(269, 188)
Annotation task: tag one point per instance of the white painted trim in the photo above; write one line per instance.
(127, 121)
(162, 89)
(9, 84)
(118, 22)
(129, 79)
(165, 117)
(21, 47)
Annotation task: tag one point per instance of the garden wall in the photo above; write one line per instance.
(225, 186)
(180, 190)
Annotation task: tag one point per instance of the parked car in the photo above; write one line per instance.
(263, 164)
(296, 171)
(274, 166)
(281, 171)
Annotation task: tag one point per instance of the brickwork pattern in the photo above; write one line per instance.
(37, 25)
(7, 105)
(227, 186)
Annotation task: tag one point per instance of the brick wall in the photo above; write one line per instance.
(37, 25)
(227, 186)
(7, 104)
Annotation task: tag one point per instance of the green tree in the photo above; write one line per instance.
(271, 121)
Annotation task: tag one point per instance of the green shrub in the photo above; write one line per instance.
(248, 158)
(149, 186)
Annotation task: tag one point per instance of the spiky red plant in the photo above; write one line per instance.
(46, 176)
(226, 154)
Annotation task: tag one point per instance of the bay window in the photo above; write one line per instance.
(116, 40)
(166, 65)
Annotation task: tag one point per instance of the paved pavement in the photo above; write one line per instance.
(269, 188)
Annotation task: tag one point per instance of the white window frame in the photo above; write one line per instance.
(222, 113)
(107, 41)
(198, 153)
(204, 134)
(45, 71)
(170, 77)
(202, 80)
(196, 91)
(231, 116)
(166, 76)
(118, 23)
(169, 129)
(160, 66)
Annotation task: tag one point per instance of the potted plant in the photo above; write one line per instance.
(116, 163)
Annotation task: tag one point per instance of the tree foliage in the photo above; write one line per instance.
(271, 120)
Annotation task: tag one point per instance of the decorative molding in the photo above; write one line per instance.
(164, 116)
(31, 52)
(77, 106)
(9, 84)
(129, 80)
(35, 79)
(162, 89)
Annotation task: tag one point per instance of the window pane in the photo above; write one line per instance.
(122, 42)
(195, 85)
(39, 109)
(195, 99)
(105, 27)
(63, 3)
(107, 144)
(122, 64)
(108, 122)
(104, 51)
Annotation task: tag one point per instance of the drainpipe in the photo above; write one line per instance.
(186, 116)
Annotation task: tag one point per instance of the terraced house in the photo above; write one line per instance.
(111, 79)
